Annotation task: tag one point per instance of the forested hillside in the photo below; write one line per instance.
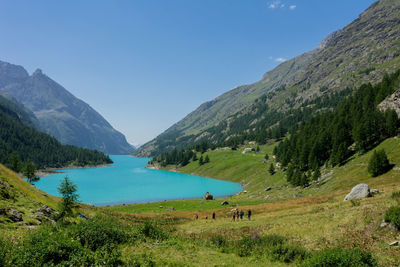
(361, 52)
(20, 143)
(59, 113)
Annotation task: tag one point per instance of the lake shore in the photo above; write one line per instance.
(50, 171)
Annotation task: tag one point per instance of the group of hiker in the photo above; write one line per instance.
(236, 214)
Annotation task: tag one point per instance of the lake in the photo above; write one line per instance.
(128, 181)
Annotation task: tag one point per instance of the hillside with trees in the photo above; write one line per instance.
(20, 144)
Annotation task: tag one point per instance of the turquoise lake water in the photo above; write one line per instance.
(127, 181)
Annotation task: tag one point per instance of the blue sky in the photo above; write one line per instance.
(146, 64)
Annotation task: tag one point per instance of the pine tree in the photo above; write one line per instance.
(266, 157)
(378, 164)
(258, 149)
(14, 162)
(271, 169)
(69, 201)
(201, 162)
(207, 159)
(29, 172)
(194, 158)
(316, 174)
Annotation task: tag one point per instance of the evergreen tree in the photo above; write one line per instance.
(69, 201)
(29, 172)
(271, 169)
(201, 162)
(266, 157)
(378, 163)
(258, 149)
(194, 158)
(207, 159)
(316, 174)
(14, 162)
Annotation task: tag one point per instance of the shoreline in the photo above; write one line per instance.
(50, 171)
(157, 167)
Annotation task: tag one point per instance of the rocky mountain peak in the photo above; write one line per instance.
(37, 72)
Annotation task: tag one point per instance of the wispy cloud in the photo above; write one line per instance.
(279, 4)
(274, 4)
(277, 59)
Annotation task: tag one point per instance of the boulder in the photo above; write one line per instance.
(394, 244)
(223, 203)
(46, 210)
(14, 215)
(359, 191)
(208, 196)
(267, 189)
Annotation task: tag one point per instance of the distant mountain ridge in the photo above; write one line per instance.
(59, 113)
(361, 52)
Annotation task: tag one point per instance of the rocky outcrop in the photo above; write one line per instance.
(11, 214)
(359, 191)
(392, 102)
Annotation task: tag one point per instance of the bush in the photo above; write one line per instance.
(47, 246)
(5, 252)
(152, 231)
(257, 245)
(396, 196)
(218, 241)
(341, 258)
(288, 253)
(98, 232)
(392, 216)
(378, 164)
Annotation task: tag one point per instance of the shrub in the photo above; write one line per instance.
(218, 241)
(396, 196)
(5, 252)
(392, 216)
(47, 246)
(98, 232)
(152, 231)
(340, 257)
(288, 253)
(378, 164)
(257, 245)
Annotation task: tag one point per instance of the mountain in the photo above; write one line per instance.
(59, 113)
(20, 142)
(361, 52)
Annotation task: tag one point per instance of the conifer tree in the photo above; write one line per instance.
(201, 162)
(207, 159)
(271, 169)
(378, 164)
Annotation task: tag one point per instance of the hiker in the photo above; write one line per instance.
(248, 214)
(241, 214)
(233, 215)
(213, 215)
(237, 214)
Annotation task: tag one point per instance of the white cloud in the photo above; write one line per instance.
(278, 4)
(274, 4)
(280, 59)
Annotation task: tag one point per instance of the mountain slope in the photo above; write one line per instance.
(17, 137)
(361, 52)
(61, 114)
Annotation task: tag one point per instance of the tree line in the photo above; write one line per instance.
(21, 144)
(356, 126)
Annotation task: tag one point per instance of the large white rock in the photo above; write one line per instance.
(359, 191)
